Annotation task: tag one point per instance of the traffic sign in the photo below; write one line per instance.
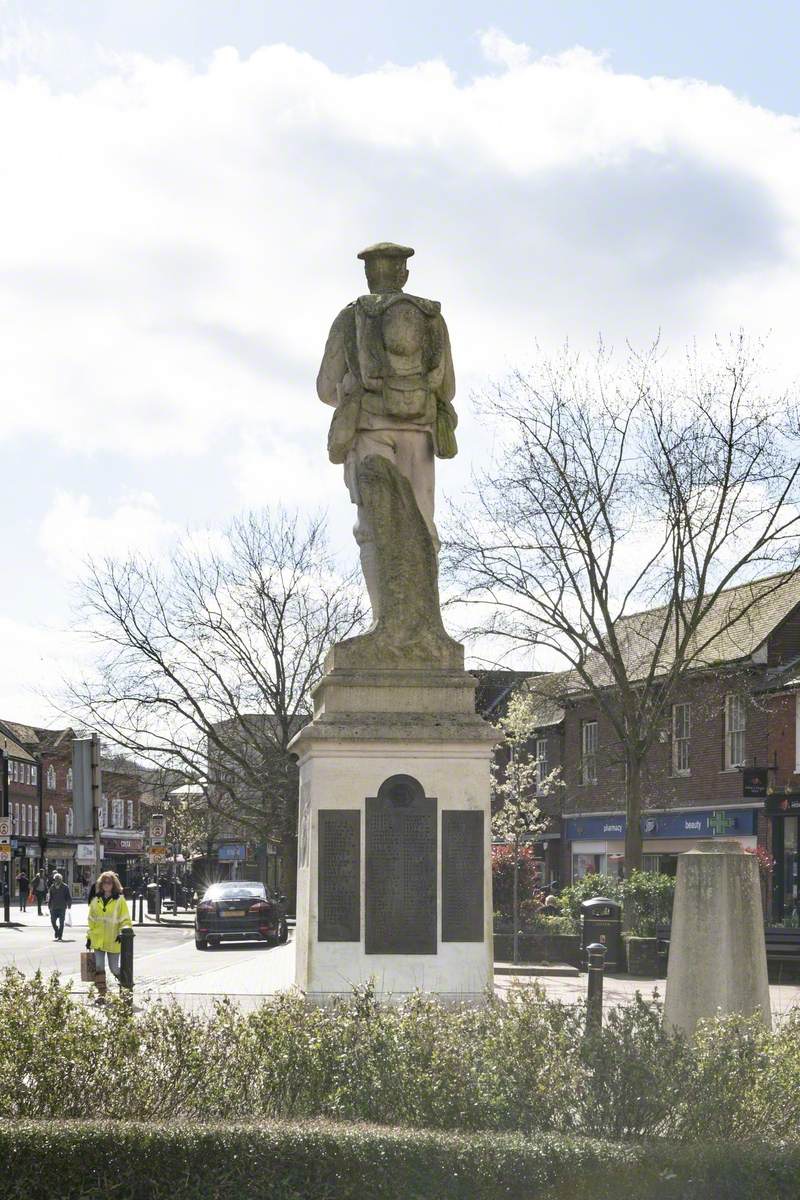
(157, 854)
(5, 829)
(5, 852)
(158, 828)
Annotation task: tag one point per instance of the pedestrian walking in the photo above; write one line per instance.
(40, 890)
(108, 913)
(59, 900)
(23, 883)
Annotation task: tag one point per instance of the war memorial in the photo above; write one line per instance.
(394, 880)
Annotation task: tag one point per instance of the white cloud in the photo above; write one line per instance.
(178, 240)
(500, 50)
(70, 533)
(36, 661)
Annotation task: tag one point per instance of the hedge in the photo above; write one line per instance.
(86, 1160)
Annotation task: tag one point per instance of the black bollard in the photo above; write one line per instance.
(126, 937)
(594, 996)
(140, 898)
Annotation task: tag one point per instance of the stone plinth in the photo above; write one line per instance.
(394, 836)
(717, 956)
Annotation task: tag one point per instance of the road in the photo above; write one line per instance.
(167, 965)
(166, 961)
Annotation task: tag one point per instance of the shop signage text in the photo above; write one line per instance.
(703, 822)
(231, 853)
(132, 845)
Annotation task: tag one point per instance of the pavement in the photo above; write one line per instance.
(168, 965)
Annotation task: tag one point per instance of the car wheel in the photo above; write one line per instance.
(283, 933)
(201, 943)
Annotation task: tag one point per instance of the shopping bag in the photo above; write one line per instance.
(68, 917)
(31, 897)
(88, 970)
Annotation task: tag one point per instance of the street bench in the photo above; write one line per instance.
(783, 945)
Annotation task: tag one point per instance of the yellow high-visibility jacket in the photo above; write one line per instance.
(106, 918)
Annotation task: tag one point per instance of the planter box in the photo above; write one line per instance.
(643, 956)
(539, 947)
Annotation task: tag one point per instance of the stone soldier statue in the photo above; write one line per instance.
(388, 372)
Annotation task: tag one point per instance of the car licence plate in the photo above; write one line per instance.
(233, 912)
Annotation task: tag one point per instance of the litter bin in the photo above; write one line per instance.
(601, 921)
(153, 900)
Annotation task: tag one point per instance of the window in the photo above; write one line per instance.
(51, 777)
(102, 815)
(797, 734)
(51, 820)
(16, 818)
(69, 820)
(130, 814)
(589, 752)
(542, 769)
(69, 779)
(118, 814)
(36, 821)
(14, 771)
(681, 734)
(734, 731)
(33, 775)
(30, 820)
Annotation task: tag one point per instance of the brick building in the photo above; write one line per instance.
(739, 709)
(40, 800)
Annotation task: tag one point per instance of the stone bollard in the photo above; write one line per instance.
(717, 955)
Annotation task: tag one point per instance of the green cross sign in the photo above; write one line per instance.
(719, 823)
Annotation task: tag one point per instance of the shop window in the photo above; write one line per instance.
(681, 735)
(587, 864)
(51, 778)
(734, 731)
(69, 779)
(589, 752)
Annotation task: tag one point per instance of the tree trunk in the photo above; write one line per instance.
(633, 814)
(633, 830)
(515, 903)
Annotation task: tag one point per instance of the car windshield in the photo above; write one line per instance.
(236, 891)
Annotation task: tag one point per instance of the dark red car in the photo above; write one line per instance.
(239, 910)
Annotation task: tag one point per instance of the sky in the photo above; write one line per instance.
(184, 188)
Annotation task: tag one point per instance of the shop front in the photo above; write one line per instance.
(126, 856)
(783, 815)
(596, 844)
(60, 857)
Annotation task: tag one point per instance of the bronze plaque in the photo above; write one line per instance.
(339, 875)
(462, 876)
(400, 852)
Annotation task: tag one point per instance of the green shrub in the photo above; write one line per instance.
(648, 895)
(279, 1161)
(517, 1064)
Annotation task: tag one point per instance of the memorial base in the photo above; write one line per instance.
(394, 870)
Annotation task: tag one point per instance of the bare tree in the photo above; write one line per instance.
(206, 664)
(617, 493)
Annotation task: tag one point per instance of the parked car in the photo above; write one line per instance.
(237, 910)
